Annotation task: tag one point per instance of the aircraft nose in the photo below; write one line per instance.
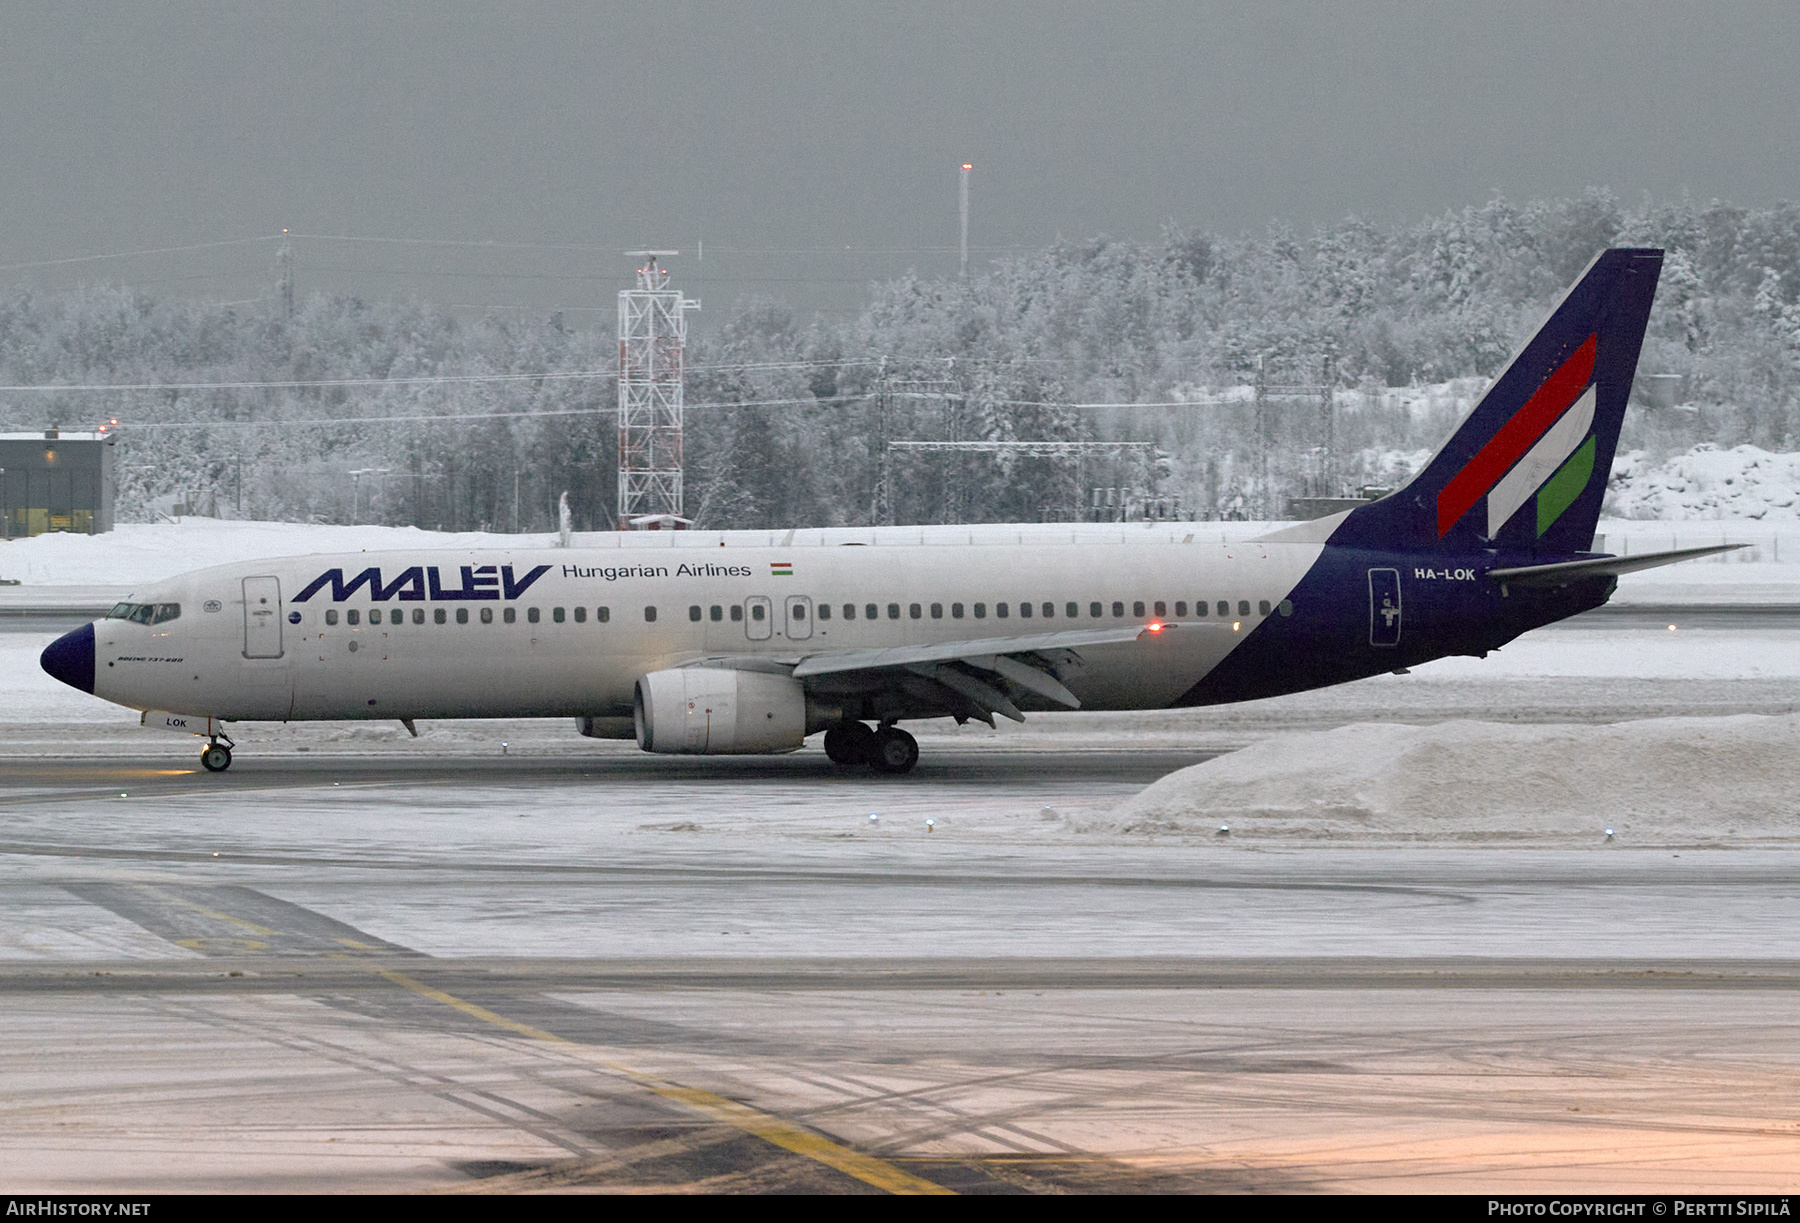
(70, 658)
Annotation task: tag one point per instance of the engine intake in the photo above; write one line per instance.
(703, 711)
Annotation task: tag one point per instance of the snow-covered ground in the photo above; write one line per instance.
(1742, 483)
(136, 553)
(1664, 781)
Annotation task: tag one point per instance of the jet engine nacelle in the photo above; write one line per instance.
(705, 711)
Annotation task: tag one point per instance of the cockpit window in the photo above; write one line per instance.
(145, 613)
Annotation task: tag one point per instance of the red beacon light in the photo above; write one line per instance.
(1155, 626)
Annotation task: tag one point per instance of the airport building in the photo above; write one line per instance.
(55, 481)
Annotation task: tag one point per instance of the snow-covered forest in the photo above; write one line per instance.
(1268, 365)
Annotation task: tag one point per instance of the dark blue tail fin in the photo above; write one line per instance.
(1527, 470)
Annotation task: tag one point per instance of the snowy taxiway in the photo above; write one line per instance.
(620, 972)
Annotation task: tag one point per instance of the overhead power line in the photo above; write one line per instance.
(160, 250)
(420, 380)
(714, 405)
(1036, 449)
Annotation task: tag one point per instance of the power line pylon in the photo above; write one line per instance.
(652, 339)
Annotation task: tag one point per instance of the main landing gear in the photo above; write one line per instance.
(888, 750)
(215, 757)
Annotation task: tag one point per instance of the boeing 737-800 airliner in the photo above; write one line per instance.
(753, 649)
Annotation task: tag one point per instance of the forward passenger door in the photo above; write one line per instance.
(262, 617)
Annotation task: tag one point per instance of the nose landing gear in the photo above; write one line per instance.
(215, 757)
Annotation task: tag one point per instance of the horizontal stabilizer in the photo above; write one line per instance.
(1564, 572)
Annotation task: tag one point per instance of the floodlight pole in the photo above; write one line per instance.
(963, 266)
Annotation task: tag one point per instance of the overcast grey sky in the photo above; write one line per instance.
(783, 134)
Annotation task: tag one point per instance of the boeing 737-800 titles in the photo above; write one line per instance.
(753, 649)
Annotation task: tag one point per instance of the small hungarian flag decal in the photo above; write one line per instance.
(781, 569)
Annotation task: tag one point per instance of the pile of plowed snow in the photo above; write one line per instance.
(1744, 482)
(1665, 781)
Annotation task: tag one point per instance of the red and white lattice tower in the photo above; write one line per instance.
(652, 336)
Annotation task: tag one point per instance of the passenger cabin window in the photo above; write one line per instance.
(871, 612)
(1072, 610)
(981, 611)
(418, 615)
(715, 613)
(694, 613)
(824, 611)
(893, 611)
(487, 615)
(1025, 610)
(956, 611)
(331, 616)
(1285, 607)
(849, 611)
(510, 615)
(462, 615)
(797, 611)
(649, 615)
(556, 614)
(352, 616)
(915, 611)
(1118, 609)
(756, 612)
(1137, 609)
(437, 615)
(1243, 607)
(581, 615)
(1262, 608)
(1001, 610)
(1224, 608)
(937, 611)
(603, 614)
(532, 615)
(737, 613)
(1095, 610)
(1162, 609)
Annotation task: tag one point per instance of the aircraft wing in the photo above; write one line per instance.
(984, 674)
(1564, 572)
(987, 673)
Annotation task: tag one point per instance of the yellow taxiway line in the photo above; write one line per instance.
(767, 1126)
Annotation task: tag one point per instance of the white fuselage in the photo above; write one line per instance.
(435, 634)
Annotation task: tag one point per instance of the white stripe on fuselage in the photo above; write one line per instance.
(558, 668)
